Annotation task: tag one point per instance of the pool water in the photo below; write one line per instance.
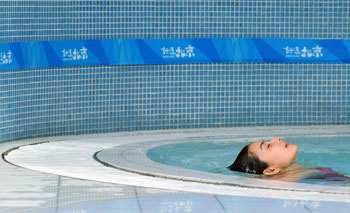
(215, 156)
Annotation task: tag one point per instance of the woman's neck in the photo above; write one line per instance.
(294, 167)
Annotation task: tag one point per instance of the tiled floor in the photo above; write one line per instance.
(24, 190)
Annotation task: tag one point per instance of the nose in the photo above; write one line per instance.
(277, 139)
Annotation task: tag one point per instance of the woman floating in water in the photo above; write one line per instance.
(276, 160)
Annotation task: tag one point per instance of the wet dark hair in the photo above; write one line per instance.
(248, 163)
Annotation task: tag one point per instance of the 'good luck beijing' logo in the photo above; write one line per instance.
(74, 54)
(6, 57)
(303, 52)
(178, 52)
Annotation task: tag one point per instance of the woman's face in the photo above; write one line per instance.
(276, 153)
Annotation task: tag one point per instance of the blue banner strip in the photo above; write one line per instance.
(38, 55)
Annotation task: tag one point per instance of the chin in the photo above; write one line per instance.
(295, 147)
(296, 152)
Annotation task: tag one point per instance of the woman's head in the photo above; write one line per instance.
(266, 158)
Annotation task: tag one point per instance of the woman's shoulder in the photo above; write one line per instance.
(327, 174)
(316, 174)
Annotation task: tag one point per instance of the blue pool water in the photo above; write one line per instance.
(212, 156)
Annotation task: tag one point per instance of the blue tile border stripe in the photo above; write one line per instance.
(52, 54)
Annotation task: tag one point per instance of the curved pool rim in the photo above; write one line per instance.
(133, 158)
(60, 156)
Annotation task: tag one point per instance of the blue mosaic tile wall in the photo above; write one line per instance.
(65, 101)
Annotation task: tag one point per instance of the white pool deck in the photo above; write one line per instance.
(61, 174)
